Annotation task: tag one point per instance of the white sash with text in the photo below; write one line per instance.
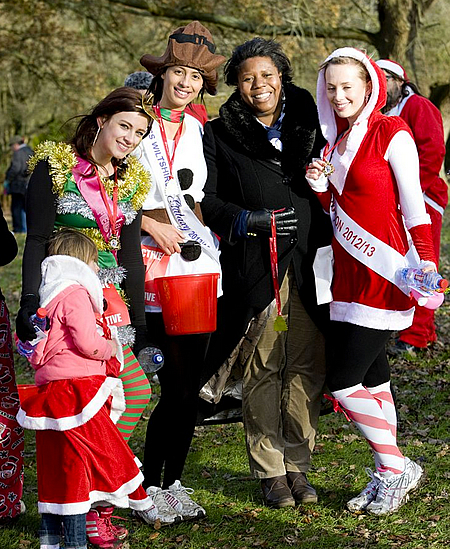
(368, 249)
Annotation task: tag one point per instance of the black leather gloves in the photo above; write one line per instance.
(141, 340)
(152, 358)
(29, 304)
(285, 222)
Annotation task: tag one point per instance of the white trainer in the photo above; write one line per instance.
(160, 510)
(188, 508)
(362, 500)
(393, 490)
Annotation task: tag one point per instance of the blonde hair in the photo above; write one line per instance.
(73, 243)
(363, 72)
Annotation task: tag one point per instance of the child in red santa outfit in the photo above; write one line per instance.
(368, 180)
(82, 460)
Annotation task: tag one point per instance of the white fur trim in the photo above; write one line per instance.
(62, 271)
(392, 66)
(119, 498)
(327, 117)
(119, 355)
(370, 317)
(111, 386)
(118, 404)
(318, 185)
(141, 504)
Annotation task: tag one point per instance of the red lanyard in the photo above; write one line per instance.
(170, 159)
(112, 215)
(327, 149)
(280, 323)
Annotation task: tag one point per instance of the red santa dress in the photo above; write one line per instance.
(81, 456)
(425, 121)
(377, 172)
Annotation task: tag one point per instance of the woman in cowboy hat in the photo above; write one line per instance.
(173, 154)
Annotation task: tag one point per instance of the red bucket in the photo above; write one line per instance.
(189, 303)
(26, 391)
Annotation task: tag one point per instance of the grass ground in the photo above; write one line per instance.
(217, 469)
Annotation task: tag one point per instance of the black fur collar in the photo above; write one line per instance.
(298, 132)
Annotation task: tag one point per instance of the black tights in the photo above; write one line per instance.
(356, 354)
(172, 423)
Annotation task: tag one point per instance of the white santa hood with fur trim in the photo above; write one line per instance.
(330, 123)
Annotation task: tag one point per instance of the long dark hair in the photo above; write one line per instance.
(257, 47)
(119, 100)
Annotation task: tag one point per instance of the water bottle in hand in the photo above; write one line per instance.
(429, 281)
(39, 322)
(151, 359)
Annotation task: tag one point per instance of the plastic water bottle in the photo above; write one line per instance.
(151, 359)
(416, 278)
(39, 322)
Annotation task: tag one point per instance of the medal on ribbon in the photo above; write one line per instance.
(279, 324)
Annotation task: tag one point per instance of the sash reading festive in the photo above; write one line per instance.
(367, 248)
(155, 261)
(116, 313)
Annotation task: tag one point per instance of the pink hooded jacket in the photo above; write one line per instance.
(71, 293)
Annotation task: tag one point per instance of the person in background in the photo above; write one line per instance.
(256, 153)
(92, 185)
(425, 122)
(81, 458)
(11, 434)
(368, 180)
(173, 154)
(16, 180)
(139, 80)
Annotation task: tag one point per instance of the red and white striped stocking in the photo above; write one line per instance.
(368, 415)
(383, 395)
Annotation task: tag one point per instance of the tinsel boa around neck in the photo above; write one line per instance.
(133, 184)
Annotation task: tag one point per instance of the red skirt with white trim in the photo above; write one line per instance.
(81, 456)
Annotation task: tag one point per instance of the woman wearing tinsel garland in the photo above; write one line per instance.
(91, 185)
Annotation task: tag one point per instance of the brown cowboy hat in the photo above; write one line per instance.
(190, 46)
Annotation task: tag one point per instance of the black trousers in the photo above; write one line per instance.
(18, 212)
(356, 354)
(172, 423)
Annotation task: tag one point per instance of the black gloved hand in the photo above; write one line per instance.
(142, 340)
(29, 304)
(285, 222)
(152, 358)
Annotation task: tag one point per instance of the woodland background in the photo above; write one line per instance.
(59, 57)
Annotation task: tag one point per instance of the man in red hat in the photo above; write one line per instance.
(425, 121)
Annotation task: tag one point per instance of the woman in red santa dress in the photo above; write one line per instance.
(368, 180)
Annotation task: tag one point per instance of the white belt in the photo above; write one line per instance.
(433, 204)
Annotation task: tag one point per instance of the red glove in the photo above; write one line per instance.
(423, 241)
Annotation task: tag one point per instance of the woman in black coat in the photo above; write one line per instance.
(256, 153)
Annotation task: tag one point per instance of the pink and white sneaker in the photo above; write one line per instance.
(120, 532)
(99, 531)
